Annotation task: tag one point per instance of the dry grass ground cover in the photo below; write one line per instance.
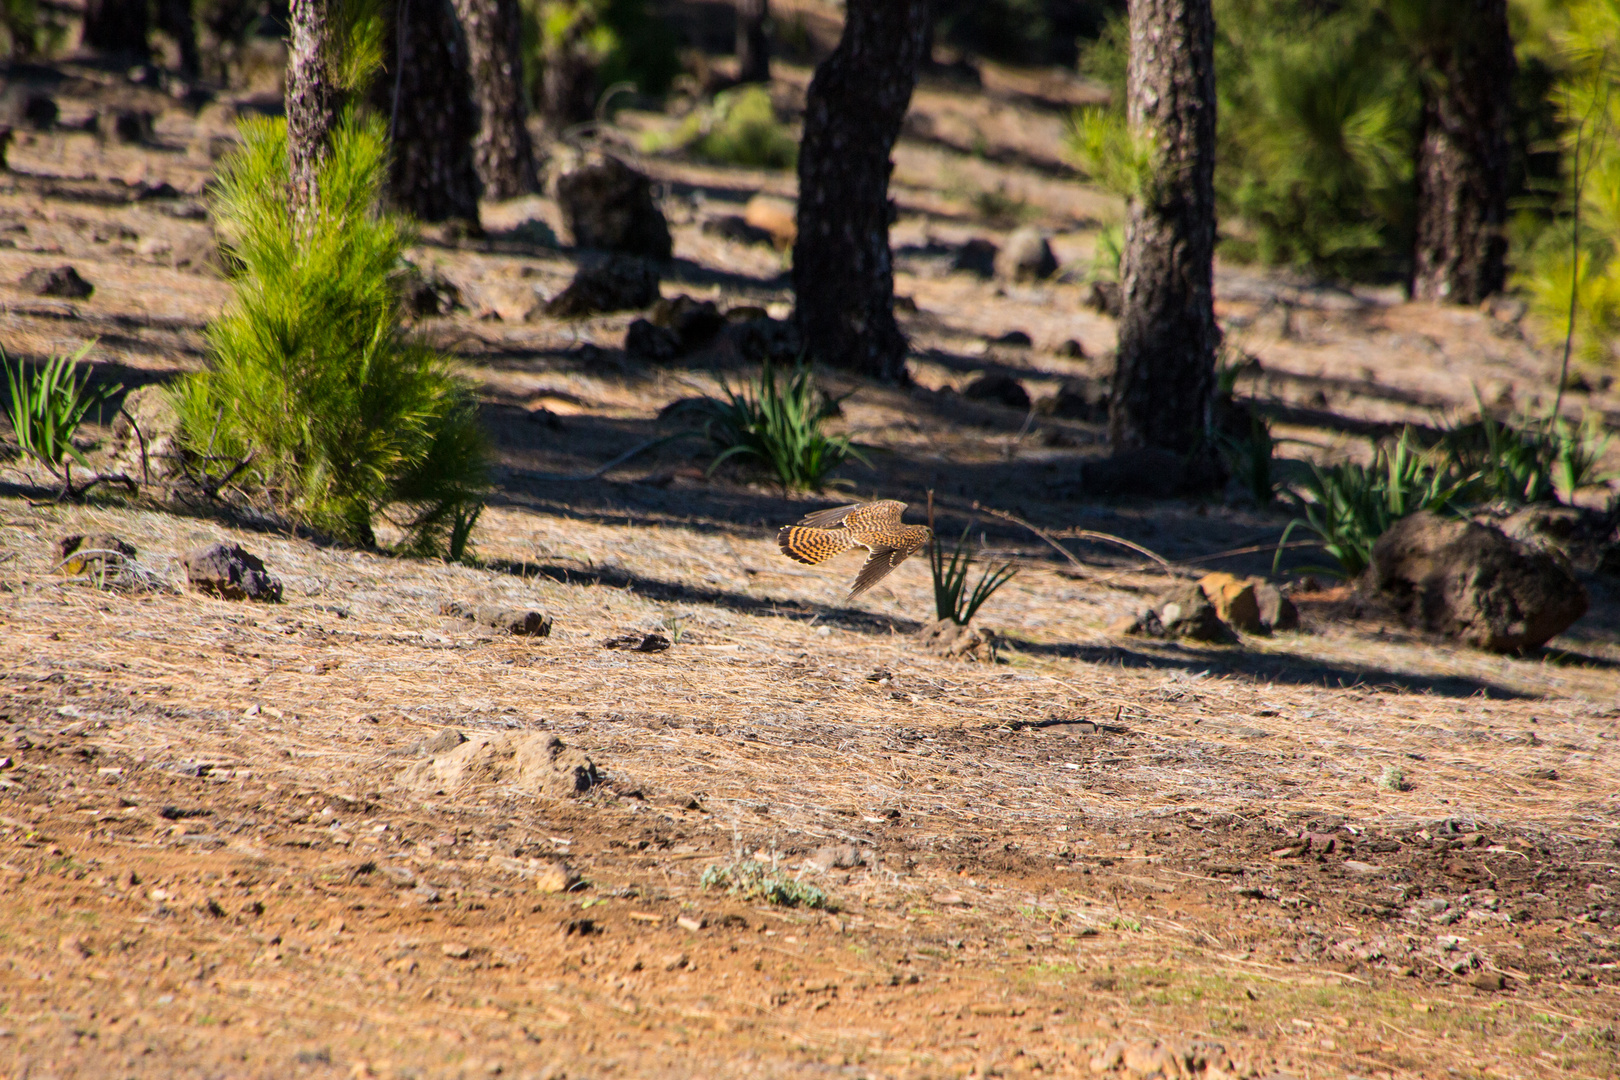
(1350, 850)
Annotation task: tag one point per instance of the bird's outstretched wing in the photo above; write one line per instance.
(884, 513)
(876, 569)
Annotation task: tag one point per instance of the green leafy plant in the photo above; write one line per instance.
(753, 880)
(738, 128)
(313, 388)
(1349, 506)
(952, 599)
(47, 407)
(778, 425)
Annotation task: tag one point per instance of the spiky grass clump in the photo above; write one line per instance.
(780, 427)
(952, 598)
(46, 408)
(1527, 461)
(343, 416)
(1349, 506)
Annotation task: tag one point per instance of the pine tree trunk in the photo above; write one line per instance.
(117, 28)
(843, 273)
(310, 105)
(753, 51)
(1459, 251)
(1164, 375)
(427, 96)
(502, 152)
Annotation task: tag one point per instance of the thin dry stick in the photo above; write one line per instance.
(1083, 534)
(1578, 183)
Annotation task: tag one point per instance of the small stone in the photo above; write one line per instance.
(735, 227)
(841, 856)
(651, 344)
(1105, 298)
(231, 573)
(608, 205)
(444, 742)
(1027, 256)
(97, 552)
(687, 923)
(519, 621)
(455, 950)
(127, 125)
(646, 643)
(1235, 601)
(1072, 349)
(62, 281)
(977, 256)
(614, 283)
(1016, 339)
(1277, 612)
(1356, 867)
(1487, 980)
(554, 876)
(694, 323)
(778, 217)
(1542, 774)
(675, 961)
(951, 899)
(1000, 388)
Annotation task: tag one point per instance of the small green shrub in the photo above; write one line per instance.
(752, 880)
(779, 426)
(47, 407)
(340, 416)
(1528, 461)
(738, 128)
(1350, 506)
(952, 600)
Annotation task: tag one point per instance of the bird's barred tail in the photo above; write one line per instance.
(812, 545)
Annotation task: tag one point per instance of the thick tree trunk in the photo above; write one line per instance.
(502, 151)
(310, 104)
(428, 98)
(117, 28)
(843, 274)
(1164, 375)
(1459, 250)
(753, 52)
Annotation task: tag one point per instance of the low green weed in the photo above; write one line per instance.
(753, 880)
(739, 127)
(779, 425)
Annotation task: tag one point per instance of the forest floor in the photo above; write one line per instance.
(216, 862)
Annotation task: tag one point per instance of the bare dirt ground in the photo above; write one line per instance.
(1099, 854)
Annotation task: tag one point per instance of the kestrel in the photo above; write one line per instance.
(874, 526)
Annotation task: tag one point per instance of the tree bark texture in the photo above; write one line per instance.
(117, 28)
(1460, 248)
(310, 103)
(753, 51)
(502, 152)
(843, 273)
(432, 118)
(1164, 376)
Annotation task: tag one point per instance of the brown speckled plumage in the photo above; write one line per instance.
(875, 526)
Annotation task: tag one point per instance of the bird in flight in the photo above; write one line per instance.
(875, 526)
